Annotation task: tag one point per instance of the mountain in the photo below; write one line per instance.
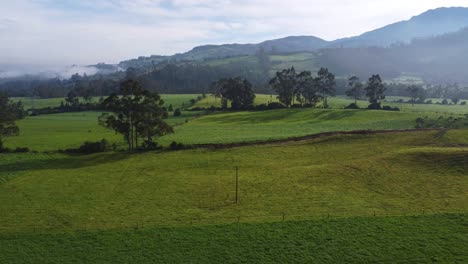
(431, 23)
(438, 59)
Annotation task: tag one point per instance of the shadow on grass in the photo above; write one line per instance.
(61, 162)
(283, 115)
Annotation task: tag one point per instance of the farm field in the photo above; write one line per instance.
(177, 100)
(69, 130)
(348, 192)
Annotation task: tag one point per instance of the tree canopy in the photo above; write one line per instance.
(375, 91)
(135, 113)
(9, 113)
(236, 90)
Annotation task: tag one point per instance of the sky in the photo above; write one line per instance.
(66, 32)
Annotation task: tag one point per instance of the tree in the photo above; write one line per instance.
(238, 91)
(355, 89)
(285, 85)
(375, 91)
(417, 94)
(135, 113)
(9, 113)
(327, 84)
(307, 87)
(72, 99)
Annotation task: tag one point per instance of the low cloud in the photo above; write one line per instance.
(84, 32)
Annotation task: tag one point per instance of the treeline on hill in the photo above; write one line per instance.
(437, 60)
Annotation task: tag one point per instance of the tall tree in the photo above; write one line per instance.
(416, 93)
(285, 85)
(355, 89)
(135, 113)
(375, 91)
(9, 113)
(307, 87)
(327, 85)
(238, 91)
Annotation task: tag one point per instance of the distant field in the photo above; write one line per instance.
(177, 100)
(69, 130)
(142, 207)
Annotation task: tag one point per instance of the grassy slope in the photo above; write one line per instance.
(342, 175)
(350, 178)
(61, 131)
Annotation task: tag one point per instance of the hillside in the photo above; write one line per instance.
(431, 23)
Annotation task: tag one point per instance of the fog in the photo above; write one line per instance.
(45, 71)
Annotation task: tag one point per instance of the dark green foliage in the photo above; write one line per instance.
(135, 113)
(308, 88)
(417, 94)
(352, 106)
(176, 146)
(235, 90)
(375, 91)
(443, 122)
(285, 85)
(326, 85)
(177, 112)
(92, 147)
(9, 113)
(390, 108)
(170, 108)
(355, 89)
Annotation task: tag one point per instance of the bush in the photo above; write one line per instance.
(429, 102)
(296, 106)
(276, 105)
(170, 108)
(463, 103)
(352, 106)
(261, 107)
(444, 102)
(91, 147)
(22, 150)
(176, 146)
(177, 112)
(389, 108)
(374, 106)
(150, 145)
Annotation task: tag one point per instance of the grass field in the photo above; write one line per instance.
(177, 100)
(398, 197)
(69, 130)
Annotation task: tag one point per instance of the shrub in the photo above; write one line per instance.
(276, 105)
(296, 106)
(91, 147)
(177, 112)
(375, 106)
(352, 106)
(261, 107)
(444, 102)
(150, 145)
(463, 103)
(22, 150)
(429, 102)
(389, 108)
(176, 146)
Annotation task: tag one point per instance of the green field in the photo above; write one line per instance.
(69, 130)
(177, 100)
(327, 190)
(397, 197)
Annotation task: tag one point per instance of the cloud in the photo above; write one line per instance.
(89, 31)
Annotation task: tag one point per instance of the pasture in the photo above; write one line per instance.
(358, 198)
(326, 196)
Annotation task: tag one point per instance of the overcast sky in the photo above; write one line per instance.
(89, 31)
